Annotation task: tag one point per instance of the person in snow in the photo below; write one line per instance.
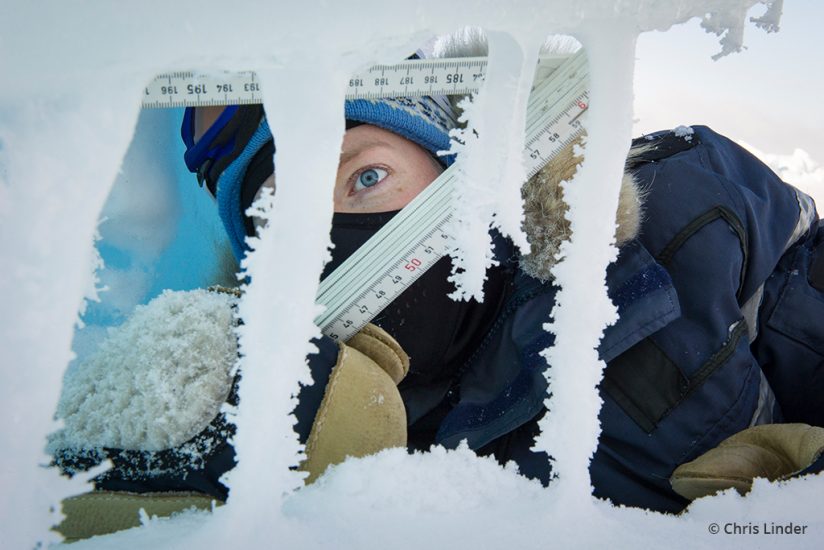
(715, 369)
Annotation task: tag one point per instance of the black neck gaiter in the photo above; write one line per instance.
(438, 333)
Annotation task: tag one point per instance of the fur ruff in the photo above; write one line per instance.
(545, 221)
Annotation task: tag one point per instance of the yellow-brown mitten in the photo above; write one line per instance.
(772, 451)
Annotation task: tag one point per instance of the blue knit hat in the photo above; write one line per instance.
(238, 162)
(424, 120)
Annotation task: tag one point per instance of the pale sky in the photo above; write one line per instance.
(770, 95)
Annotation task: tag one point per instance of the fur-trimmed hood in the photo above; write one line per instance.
(545, 223)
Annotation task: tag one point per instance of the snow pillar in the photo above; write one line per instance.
(570, 430)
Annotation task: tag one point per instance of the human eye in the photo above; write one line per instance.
(368, 177)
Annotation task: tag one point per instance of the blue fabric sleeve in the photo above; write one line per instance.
(790, 344)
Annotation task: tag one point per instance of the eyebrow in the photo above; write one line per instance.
(366, 145)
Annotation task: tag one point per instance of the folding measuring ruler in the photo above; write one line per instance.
(416, 238)
(411, 78)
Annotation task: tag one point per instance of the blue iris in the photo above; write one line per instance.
(369, 178)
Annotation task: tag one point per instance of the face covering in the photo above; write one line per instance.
(438, 333)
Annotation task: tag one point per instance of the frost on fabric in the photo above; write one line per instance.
(155, 381)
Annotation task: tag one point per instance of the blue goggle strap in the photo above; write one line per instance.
(230, 186)
(205, 148)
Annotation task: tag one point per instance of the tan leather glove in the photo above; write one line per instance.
(361, 413)
(772, 451)
(104, 512)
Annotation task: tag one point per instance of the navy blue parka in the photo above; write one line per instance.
(721, 327)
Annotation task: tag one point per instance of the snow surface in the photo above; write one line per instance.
(453, 499)
(68, 109)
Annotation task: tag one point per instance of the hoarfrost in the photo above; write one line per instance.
(582, 307)
(158, 379)
(490, 174)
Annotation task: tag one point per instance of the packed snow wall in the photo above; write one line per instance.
(68, 110)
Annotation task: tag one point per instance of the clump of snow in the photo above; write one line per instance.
(155, 381)
(395, 473)
(798, 169)
(685, 132)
